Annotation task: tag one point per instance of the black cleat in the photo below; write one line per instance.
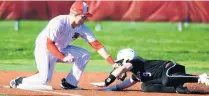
(15, 82)
(68, 86)
(182, 90)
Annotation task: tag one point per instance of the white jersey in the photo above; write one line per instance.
(61, 32)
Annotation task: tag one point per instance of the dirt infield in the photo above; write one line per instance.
(87, 77)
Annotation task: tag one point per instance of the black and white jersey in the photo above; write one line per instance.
(144, 70)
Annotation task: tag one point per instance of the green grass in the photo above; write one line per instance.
(93, 65)
(151, 40)
(29, 65)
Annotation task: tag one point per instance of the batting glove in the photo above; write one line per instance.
(69, 59)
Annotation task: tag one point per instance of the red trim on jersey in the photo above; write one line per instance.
(53, 49)
(96, 45)
(110, 60)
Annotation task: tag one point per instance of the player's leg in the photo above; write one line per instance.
(174, 75)
(82, 57)
(156, 86)
(45, 65)
(45, 62)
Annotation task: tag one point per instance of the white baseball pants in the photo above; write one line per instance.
(46, 61)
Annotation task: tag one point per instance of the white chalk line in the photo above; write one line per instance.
(51, 92)
(57, 93)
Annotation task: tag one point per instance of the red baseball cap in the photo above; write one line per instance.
(81, 7)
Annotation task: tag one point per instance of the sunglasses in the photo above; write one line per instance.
(84, 17)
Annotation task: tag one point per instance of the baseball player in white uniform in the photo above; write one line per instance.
(52, 45)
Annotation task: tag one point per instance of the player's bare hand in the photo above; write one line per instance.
(69, 59)
(98, 84)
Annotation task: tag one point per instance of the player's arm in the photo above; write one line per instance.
(96, 45)
(53, 49)
(55, 31)
(123, 85)
(102, 51)
(114, 74)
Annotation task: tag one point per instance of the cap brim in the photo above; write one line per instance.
(87, 15)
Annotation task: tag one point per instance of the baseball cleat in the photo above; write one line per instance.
(203, 79)
(15, 82)
(68, 86)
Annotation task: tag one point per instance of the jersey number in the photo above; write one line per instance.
(147, 74)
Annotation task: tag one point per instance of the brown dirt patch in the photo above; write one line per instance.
(88, 77)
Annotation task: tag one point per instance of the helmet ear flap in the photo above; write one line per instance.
(126, 60)
(122, 62)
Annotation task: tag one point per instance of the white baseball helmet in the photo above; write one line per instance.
(126, 54)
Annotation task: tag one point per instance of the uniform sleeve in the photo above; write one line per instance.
(87, 34)
(136, 64)
(55, 29)
(136, 69)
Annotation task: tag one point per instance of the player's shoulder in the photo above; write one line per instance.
(84, 28)
(60, 18)
(138, 59)
(156, 62)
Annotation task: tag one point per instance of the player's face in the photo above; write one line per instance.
(80, 19)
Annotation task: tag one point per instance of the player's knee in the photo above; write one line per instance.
(86, 55)
(43, 79)
(165, 81)
(148, 87)
(144, 87)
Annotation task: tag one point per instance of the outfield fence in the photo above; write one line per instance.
(173, 11)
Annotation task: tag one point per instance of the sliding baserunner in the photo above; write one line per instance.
(157, 75)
